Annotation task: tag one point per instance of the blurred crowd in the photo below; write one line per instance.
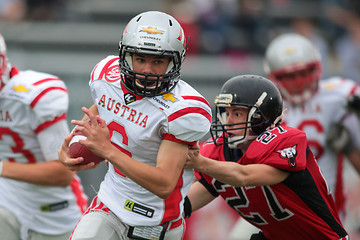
(237, 27)
(32, 10)
(242, 27)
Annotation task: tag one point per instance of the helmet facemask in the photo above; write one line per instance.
(298, 84)
(255, 120)
(145, 84)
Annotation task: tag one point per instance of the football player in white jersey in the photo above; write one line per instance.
(319, 108)
(143, 120)
(39, 197)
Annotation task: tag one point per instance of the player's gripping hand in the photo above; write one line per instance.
(97, 134)
(338, 139)
(193, 156)
(72, 163)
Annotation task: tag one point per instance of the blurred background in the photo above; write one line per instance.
(226, 38)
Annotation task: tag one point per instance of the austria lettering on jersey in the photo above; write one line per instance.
(300, 207)
(123, 111)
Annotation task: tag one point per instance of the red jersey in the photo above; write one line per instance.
(300, 207)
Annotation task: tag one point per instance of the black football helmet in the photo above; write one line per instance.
(152, 33)
(262, 99)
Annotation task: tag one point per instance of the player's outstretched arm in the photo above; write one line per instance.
(50, 173)
(236, 174)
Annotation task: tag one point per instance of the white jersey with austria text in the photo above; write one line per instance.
(33, 108)
(326, 107)
(137, 126)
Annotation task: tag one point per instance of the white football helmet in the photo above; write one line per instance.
(294, 65)
(4, 64)
(154, 33)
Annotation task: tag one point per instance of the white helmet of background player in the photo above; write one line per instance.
(294, 65)
(154, 33)
(4, 64)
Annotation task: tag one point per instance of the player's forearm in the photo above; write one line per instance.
(226, 172)
(239, 175)
(51, 173)
(154, 179)
(199, 196)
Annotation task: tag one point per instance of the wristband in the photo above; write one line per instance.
(1, 167)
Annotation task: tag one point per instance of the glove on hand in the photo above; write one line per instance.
(339, 140)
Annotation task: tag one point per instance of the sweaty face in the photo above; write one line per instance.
(151, 65)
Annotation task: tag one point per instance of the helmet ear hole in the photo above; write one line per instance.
(257, 123)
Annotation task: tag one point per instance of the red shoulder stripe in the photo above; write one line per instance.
(34, 102)
(189, 110)
(196, 98)
(50, 123)
(45, 80)
(353, 90)
(172, 138)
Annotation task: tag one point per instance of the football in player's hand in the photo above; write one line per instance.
(78, 150)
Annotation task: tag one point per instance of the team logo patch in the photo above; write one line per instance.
(129, 98)
(290, 50)
(152, 30)
(169, 97)
(331, 86)
(290, 154)
(20, 88)
(112, 74)
(139, 209)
